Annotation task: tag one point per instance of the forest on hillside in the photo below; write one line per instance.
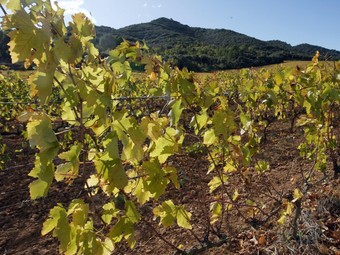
(199, 49)
(202, 49)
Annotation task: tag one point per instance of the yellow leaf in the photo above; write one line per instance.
(282, 219)
(297, 195)
(41, 83)
(25, 116)
(214, 184)
(209, 137)
(289, 209)
(229, 168)
(216, 210)
(236, 195)
(153, 76)
(27, 40)
(183, 218)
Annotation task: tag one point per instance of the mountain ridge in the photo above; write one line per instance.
(206, 49)
(199, 49)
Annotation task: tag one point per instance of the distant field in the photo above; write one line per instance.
(138, 75)
(301, 64)
(297, 63)
(23, 74)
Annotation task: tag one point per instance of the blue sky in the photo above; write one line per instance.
(293, 21)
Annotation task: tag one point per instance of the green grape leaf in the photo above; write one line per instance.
(111, 145)
(62, 232)
(70, 52)
(108, 247)
(131, 212)
(64, 171)
(79, 211)
(132, 152)
(68, 114)
(112, 171)
(123, 228)
(12, 5)
(202, 120)
(175, 112)
(58, 222)
(62, 50)
(278, 78)
(42, 125)
(27, 41)
(307, 105)
(152, 128)
(48, 146)
(167, 213)
(141, 194)
(157, 180)
(40, 187)
(171, 172)
(330, 93)
(183, 218)
(209, 137)
(223, 123)
(216, 211)
(72, 246)
(25, 116)
(164, 148)
(229, 167)
(53, 218)
(131, 136)
(216, 182)
(122, 68)
(137, 135)
(41, 84)
(76, 50)
(245, 120)
(109, 211)
(90, 244)
(69, 170)
(82, 25)
(92, 51)
(262, 166)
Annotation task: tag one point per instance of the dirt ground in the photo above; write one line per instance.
(319, 225)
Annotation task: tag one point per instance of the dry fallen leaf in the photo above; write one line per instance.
(336, 235)
(262, 240)
(323, 249)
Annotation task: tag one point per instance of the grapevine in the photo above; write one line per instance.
(121, 133)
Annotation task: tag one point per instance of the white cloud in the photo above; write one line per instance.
(145, 4)
(157, 6)
(74, 6)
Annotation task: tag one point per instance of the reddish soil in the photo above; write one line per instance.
(319, 225)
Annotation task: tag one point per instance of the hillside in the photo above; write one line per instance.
(203, 49)
(200, 49)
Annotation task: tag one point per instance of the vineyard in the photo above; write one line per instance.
(99, 159)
